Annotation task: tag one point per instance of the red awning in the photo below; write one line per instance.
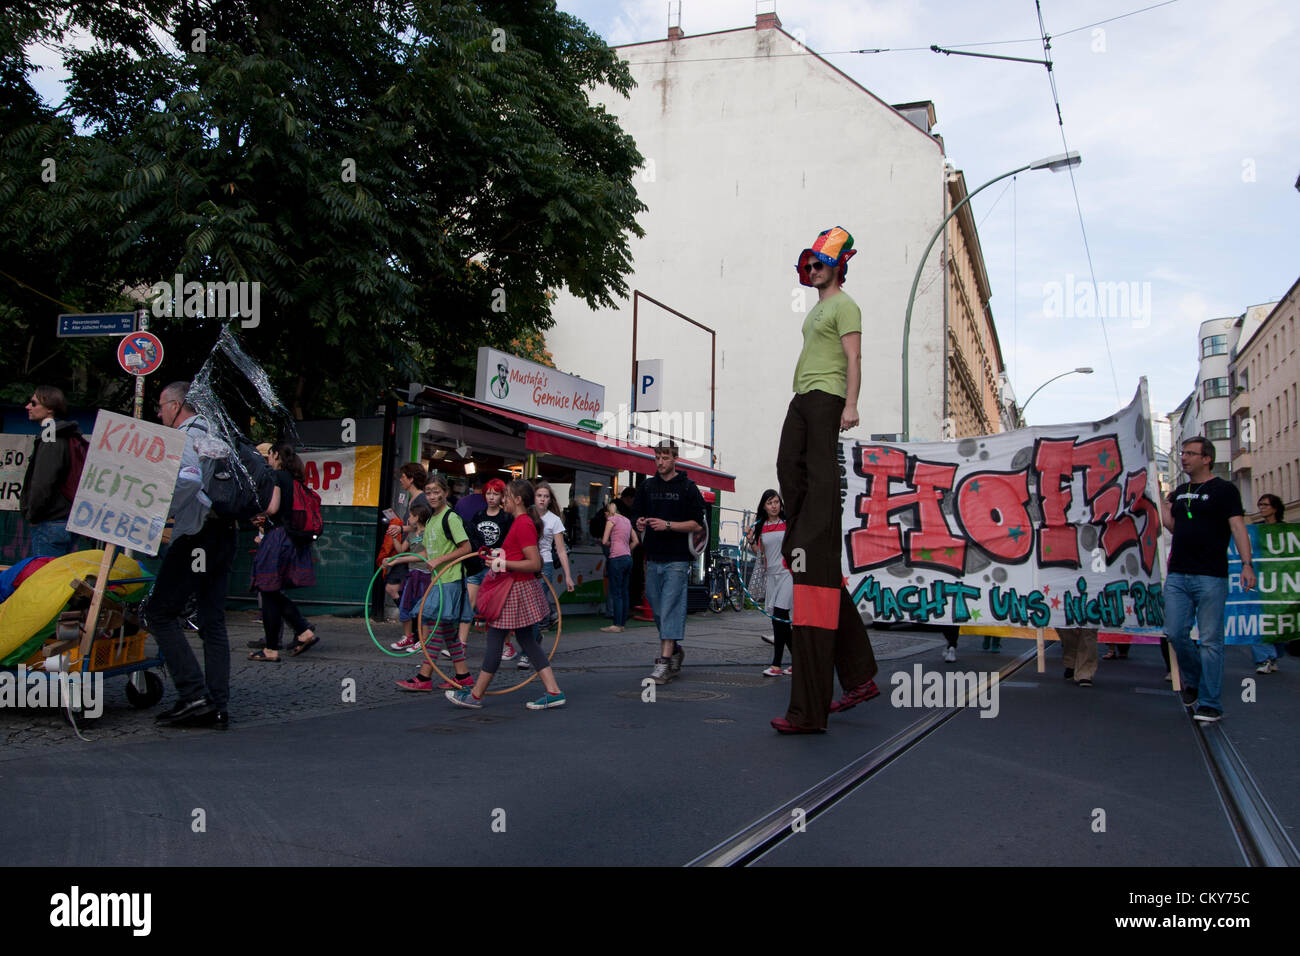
(615, 454)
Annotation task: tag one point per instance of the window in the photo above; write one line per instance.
(1218, 430)
(1217, 388)
(1214, 345)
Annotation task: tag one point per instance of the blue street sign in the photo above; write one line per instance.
(96, 323)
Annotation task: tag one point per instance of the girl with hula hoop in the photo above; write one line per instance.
(525, 606)
(445, 542)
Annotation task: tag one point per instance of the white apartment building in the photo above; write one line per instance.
(753, 145)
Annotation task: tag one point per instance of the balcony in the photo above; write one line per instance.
(1241, 460)
(1240, 402)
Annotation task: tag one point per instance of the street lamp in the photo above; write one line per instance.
(1055, 164)
(1081, 371)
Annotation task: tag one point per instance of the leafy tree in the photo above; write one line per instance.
(406, 181)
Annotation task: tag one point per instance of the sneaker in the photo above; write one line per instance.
(660, 674)
(509, 653)
(773, 671)
(767, 639)
(855, 697)
(416, 683)
(457, 682)
(788, 671)
(1084, 682)
(1208, 715)
(464, 698)
(1069, 673)
(410, 643)
(675, 665)
(950, 655)
(546, 702)
(523, 663)
(1268, 667)
(445, 653)
(1189, 696)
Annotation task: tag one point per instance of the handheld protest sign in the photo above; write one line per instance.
(15, 451)
(127, 483)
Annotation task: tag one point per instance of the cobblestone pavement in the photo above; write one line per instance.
(315, 683)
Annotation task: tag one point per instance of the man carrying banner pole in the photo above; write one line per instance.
(828, 634)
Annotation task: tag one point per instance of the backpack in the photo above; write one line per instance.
(304, 519)
(77, 449)
(229, 490)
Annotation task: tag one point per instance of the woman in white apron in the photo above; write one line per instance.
(765, 539)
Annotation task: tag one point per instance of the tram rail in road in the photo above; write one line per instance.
(1260, 835)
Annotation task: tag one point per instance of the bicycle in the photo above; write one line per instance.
(724, 583)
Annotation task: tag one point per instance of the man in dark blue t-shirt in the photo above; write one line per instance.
(1202, 514)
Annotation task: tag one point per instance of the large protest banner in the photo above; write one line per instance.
(1270, 613)
(15, 452)
(127, 482)
(1051, 526)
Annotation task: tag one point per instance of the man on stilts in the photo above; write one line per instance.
(829, 636)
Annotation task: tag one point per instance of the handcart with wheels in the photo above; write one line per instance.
(115, 645)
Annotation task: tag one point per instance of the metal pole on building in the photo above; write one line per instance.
(1054, 163)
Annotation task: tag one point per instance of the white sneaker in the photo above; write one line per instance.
(950, 655)
(523, 663)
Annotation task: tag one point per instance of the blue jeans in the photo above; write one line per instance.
(52, 539)
(620, 587)
(665, 587)
(1259, 653)
(1203, 596)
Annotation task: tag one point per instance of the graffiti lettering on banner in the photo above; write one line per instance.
(15, 453)
(1270, 614)
(1052, 526)
(127, 483)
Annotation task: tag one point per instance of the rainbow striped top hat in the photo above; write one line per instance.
(834, 247)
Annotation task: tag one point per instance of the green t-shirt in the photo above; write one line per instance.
(436, 543)
(822, 364)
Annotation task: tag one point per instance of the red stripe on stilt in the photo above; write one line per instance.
(816, 607)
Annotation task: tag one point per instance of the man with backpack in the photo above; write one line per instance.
(53, 472)
(197, 563)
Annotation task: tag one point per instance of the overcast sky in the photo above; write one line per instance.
(1186, 119)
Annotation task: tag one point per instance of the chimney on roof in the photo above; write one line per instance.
(767, 19)
(675, 33)
(675, 21)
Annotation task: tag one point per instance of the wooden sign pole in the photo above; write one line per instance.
(92, 616)
(1042, 651)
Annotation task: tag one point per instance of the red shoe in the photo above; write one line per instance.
(457, 683)
(855, 697)
(416, 683)
(783, 726)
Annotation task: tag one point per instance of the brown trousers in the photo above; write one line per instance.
(1079, 650)
(829, 637)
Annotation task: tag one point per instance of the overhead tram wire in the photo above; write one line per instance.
(1074, 187)
(913, 49)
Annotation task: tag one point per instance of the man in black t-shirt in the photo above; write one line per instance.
(671, 508)
(1202, 514)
